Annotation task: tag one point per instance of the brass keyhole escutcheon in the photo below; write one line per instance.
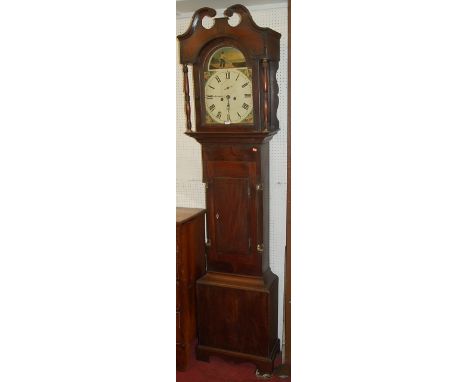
(217, 216)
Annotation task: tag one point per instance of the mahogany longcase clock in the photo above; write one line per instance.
(236, 99)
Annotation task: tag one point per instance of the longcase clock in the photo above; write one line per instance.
(235, 100)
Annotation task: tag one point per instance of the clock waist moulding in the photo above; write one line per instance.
(236, 99)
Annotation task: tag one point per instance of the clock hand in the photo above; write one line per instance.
(228, 107)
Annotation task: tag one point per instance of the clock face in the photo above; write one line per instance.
(228, 96)
(228, 88)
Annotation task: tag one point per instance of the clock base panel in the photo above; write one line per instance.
(238, 318)
(263, 364)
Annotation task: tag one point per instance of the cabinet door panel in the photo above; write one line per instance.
(232, 215)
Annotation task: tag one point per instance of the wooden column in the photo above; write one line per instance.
(187, 98)
(266, 110)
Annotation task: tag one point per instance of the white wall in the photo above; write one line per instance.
(190, 189)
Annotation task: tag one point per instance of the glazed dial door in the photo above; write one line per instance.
(228, 97)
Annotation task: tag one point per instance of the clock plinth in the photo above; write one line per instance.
(239, 315)
(235, 99)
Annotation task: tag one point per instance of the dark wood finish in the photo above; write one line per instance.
(238, 297)
(232, 137)
(187, 98)
(232, 228)
(259, 42)
(241, 167)
(190, 265)
(231, 305)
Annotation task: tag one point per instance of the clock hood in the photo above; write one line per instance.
(262, 43)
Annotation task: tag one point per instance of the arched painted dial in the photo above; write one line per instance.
(228, 96)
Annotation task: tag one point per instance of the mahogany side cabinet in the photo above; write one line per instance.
(190, 265)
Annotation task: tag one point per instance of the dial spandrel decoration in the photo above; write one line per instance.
(228, 88)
